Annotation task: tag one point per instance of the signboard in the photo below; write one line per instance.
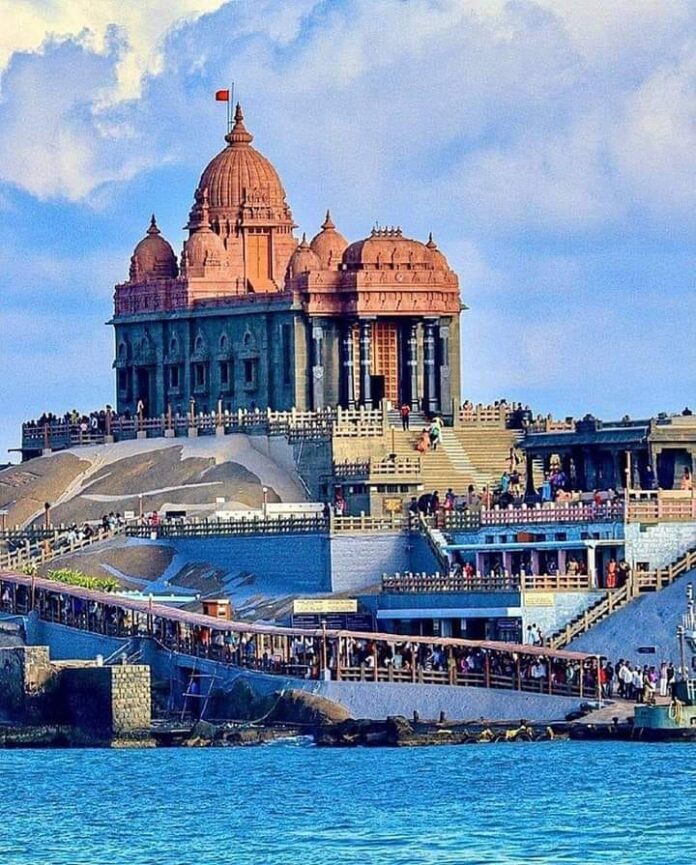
(392, 505)
(322, 606)
(537, 599)
(335, 622)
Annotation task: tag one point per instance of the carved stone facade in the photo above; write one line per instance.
(251, 318)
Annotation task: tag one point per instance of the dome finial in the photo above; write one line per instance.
(303, 242)
(328, 223)
(153, 229)
(238, 134)
(431, 243)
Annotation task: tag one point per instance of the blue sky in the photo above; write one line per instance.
(550, 146)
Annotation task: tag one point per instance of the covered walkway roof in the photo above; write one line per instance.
(198, 620)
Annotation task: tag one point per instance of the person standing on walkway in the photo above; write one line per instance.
(405, 417)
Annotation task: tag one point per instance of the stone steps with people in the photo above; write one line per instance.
(463, 456)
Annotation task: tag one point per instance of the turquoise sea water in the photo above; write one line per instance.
(555, 802)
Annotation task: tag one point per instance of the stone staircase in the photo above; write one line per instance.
(464, 456)
(616, 599)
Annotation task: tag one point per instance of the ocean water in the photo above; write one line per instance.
(555, 802)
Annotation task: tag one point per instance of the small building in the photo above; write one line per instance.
(596, 454)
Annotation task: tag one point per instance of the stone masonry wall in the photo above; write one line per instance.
(130, 698)
(25, 677)
(108, 700)
(658, 545)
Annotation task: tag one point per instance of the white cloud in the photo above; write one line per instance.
(27, 24)
(556, 116)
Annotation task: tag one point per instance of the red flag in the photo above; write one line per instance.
(222, 96)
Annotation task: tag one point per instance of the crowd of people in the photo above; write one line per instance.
(640, 683)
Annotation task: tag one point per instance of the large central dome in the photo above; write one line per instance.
(240, 177)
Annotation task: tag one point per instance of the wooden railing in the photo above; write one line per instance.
(407, 583)
(311, 654)
(475, 517)
(280, 524)
(549, 425)
(661, 506)
(406, 468)
(365, 523)
(485, 416)
(41, 551)
(294, 424)
(615, 599)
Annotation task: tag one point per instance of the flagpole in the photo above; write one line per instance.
(231, 102)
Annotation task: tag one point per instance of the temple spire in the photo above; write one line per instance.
(153, 229)
(239, 134)
(328, 223)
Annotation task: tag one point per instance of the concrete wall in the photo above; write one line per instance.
(68, 643)
(379, 700)
(566, 606)
(108, 700)
(282, 563)
(648, 621)
(658, 545)
(305, 563)
(362, 699)
(359, 560)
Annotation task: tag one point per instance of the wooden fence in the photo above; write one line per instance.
(414, 583)
(295, 425)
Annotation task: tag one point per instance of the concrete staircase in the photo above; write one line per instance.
(464, 456)
(616, 599)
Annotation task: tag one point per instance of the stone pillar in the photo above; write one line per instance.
(366, 362)
(430, 401)
(534, 562)
(318, 400)
(592, 565)
(562, 564)
(412, 364)
(590, 469)
(443, 361)
(619, 480)
(347, 367)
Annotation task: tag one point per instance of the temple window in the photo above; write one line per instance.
(174, 378)
(225, 375)
(123, 383)
(250, 365)
(199, 376)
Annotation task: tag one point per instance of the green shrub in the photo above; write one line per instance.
(77, 578)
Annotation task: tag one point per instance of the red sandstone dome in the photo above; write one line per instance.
(303, 259)
(204, 248)
(329, 244)
(240, 176)
(153, 257)
(387, 247)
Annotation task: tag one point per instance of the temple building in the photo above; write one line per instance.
(251, 317)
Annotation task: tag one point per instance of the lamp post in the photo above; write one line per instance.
(265, 502)
(140, 505)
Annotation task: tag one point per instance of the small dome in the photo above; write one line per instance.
(153, 257)
(204, 249)
(329, 244)
(303, 259)
(387, 247)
